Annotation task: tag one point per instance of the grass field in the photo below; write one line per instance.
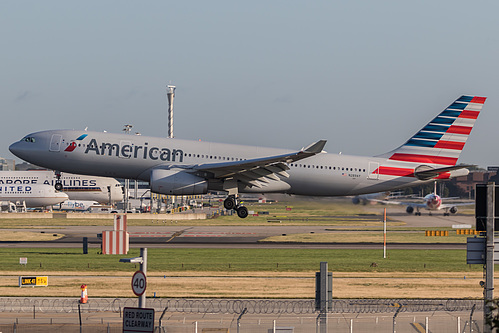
(162, 261)
(246, 273)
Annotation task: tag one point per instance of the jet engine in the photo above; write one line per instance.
(177, 182)
(409, 209)
(356, 200)
(453, 210)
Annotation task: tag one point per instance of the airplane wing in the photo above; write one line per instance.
(256, 171)
(400, 203)
(446, 206)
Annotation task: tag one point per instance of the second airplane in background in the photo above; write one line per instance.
(183, 167)
(431, 202)
(77, 187)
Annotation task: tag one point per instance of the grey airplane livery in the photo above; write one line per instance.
(183, 167)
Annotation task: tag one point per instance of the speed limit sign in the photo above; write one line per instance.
(139, 283)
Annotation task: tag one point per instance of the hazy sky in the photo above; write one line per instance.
(365, 75)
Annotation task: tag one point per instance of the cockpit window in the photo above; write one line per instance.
(28, 139)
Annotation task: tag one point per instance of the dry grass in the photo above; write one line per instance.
(27, 236)
(368, 237)
(257, 285)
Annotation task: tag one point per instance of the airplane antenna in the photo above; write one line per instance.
(170, 92)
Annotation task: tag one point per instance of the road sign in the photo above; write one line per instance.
(138, 320)
(33, 281)
(139, 283)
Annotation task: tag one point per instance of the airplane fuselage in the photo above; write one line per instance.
(134, 157)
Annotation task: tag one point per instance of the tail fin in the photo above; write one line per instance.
(441, 141)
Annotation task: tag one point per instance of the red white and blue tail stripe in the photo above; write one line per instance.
(441, 141)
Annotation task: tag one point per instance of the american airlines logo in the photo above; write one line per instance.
(134, 151)
(73, 144)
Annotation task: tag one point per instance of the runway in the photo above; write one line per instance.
(170, 236)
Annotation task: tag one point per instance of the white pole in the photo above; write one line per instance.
(273, 329)
(351, 325)
(384, 234)
(426, 325)
(196, 327)
(458, 324)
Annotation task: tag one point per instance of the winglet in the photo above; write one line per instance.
(315, 148)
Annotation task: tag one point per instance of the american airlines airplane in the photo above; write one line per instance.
(37, 195)
(78, 187)
(183, 167)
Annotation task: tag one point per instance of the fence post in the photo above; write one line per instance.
(239, 319)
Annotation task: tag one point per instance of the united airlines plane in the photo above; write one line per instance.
(182, 167)
(33, 196)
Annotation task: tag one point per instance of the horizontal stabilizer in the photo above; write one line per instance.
(425, 172)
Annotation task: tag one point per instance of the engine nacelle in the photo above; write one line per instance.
(356, 200)
(409, 209)
(177, 182)
(453, 210)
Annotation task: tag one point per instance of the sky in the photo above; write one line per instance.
(364, 75)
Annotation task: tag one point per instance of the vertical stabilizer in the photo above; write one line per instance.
(441, 141)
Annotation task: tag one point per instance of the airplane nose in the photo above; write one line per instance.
(15, 148)
(62, 195)
(19, 149)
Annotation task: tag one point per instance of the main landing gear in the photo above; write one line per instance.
(232, 203)
(58, 183)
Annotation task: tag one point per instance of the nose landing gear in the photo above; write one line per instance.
(58, 183)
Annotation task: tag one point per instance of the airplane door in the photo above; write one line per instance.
(55, 143)
(373, 171)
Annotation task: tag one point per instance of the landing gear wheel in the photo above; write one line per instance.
(230, 203)
(242, 212)
(58, 186)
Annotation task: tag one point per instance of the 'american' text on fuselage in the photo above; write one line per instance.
(129, 151)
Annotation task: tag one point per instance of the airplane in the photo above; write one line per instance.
(431, 203)
(184, 167)
(78, 187)
(33, 196)
(75, 205)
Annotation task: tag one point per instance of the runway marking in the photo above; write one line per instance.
(418, 327)
(178, 233)
(186, 234)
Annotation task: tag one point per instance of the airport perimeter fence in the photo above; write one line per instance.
(236, 306)
(18, 315)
